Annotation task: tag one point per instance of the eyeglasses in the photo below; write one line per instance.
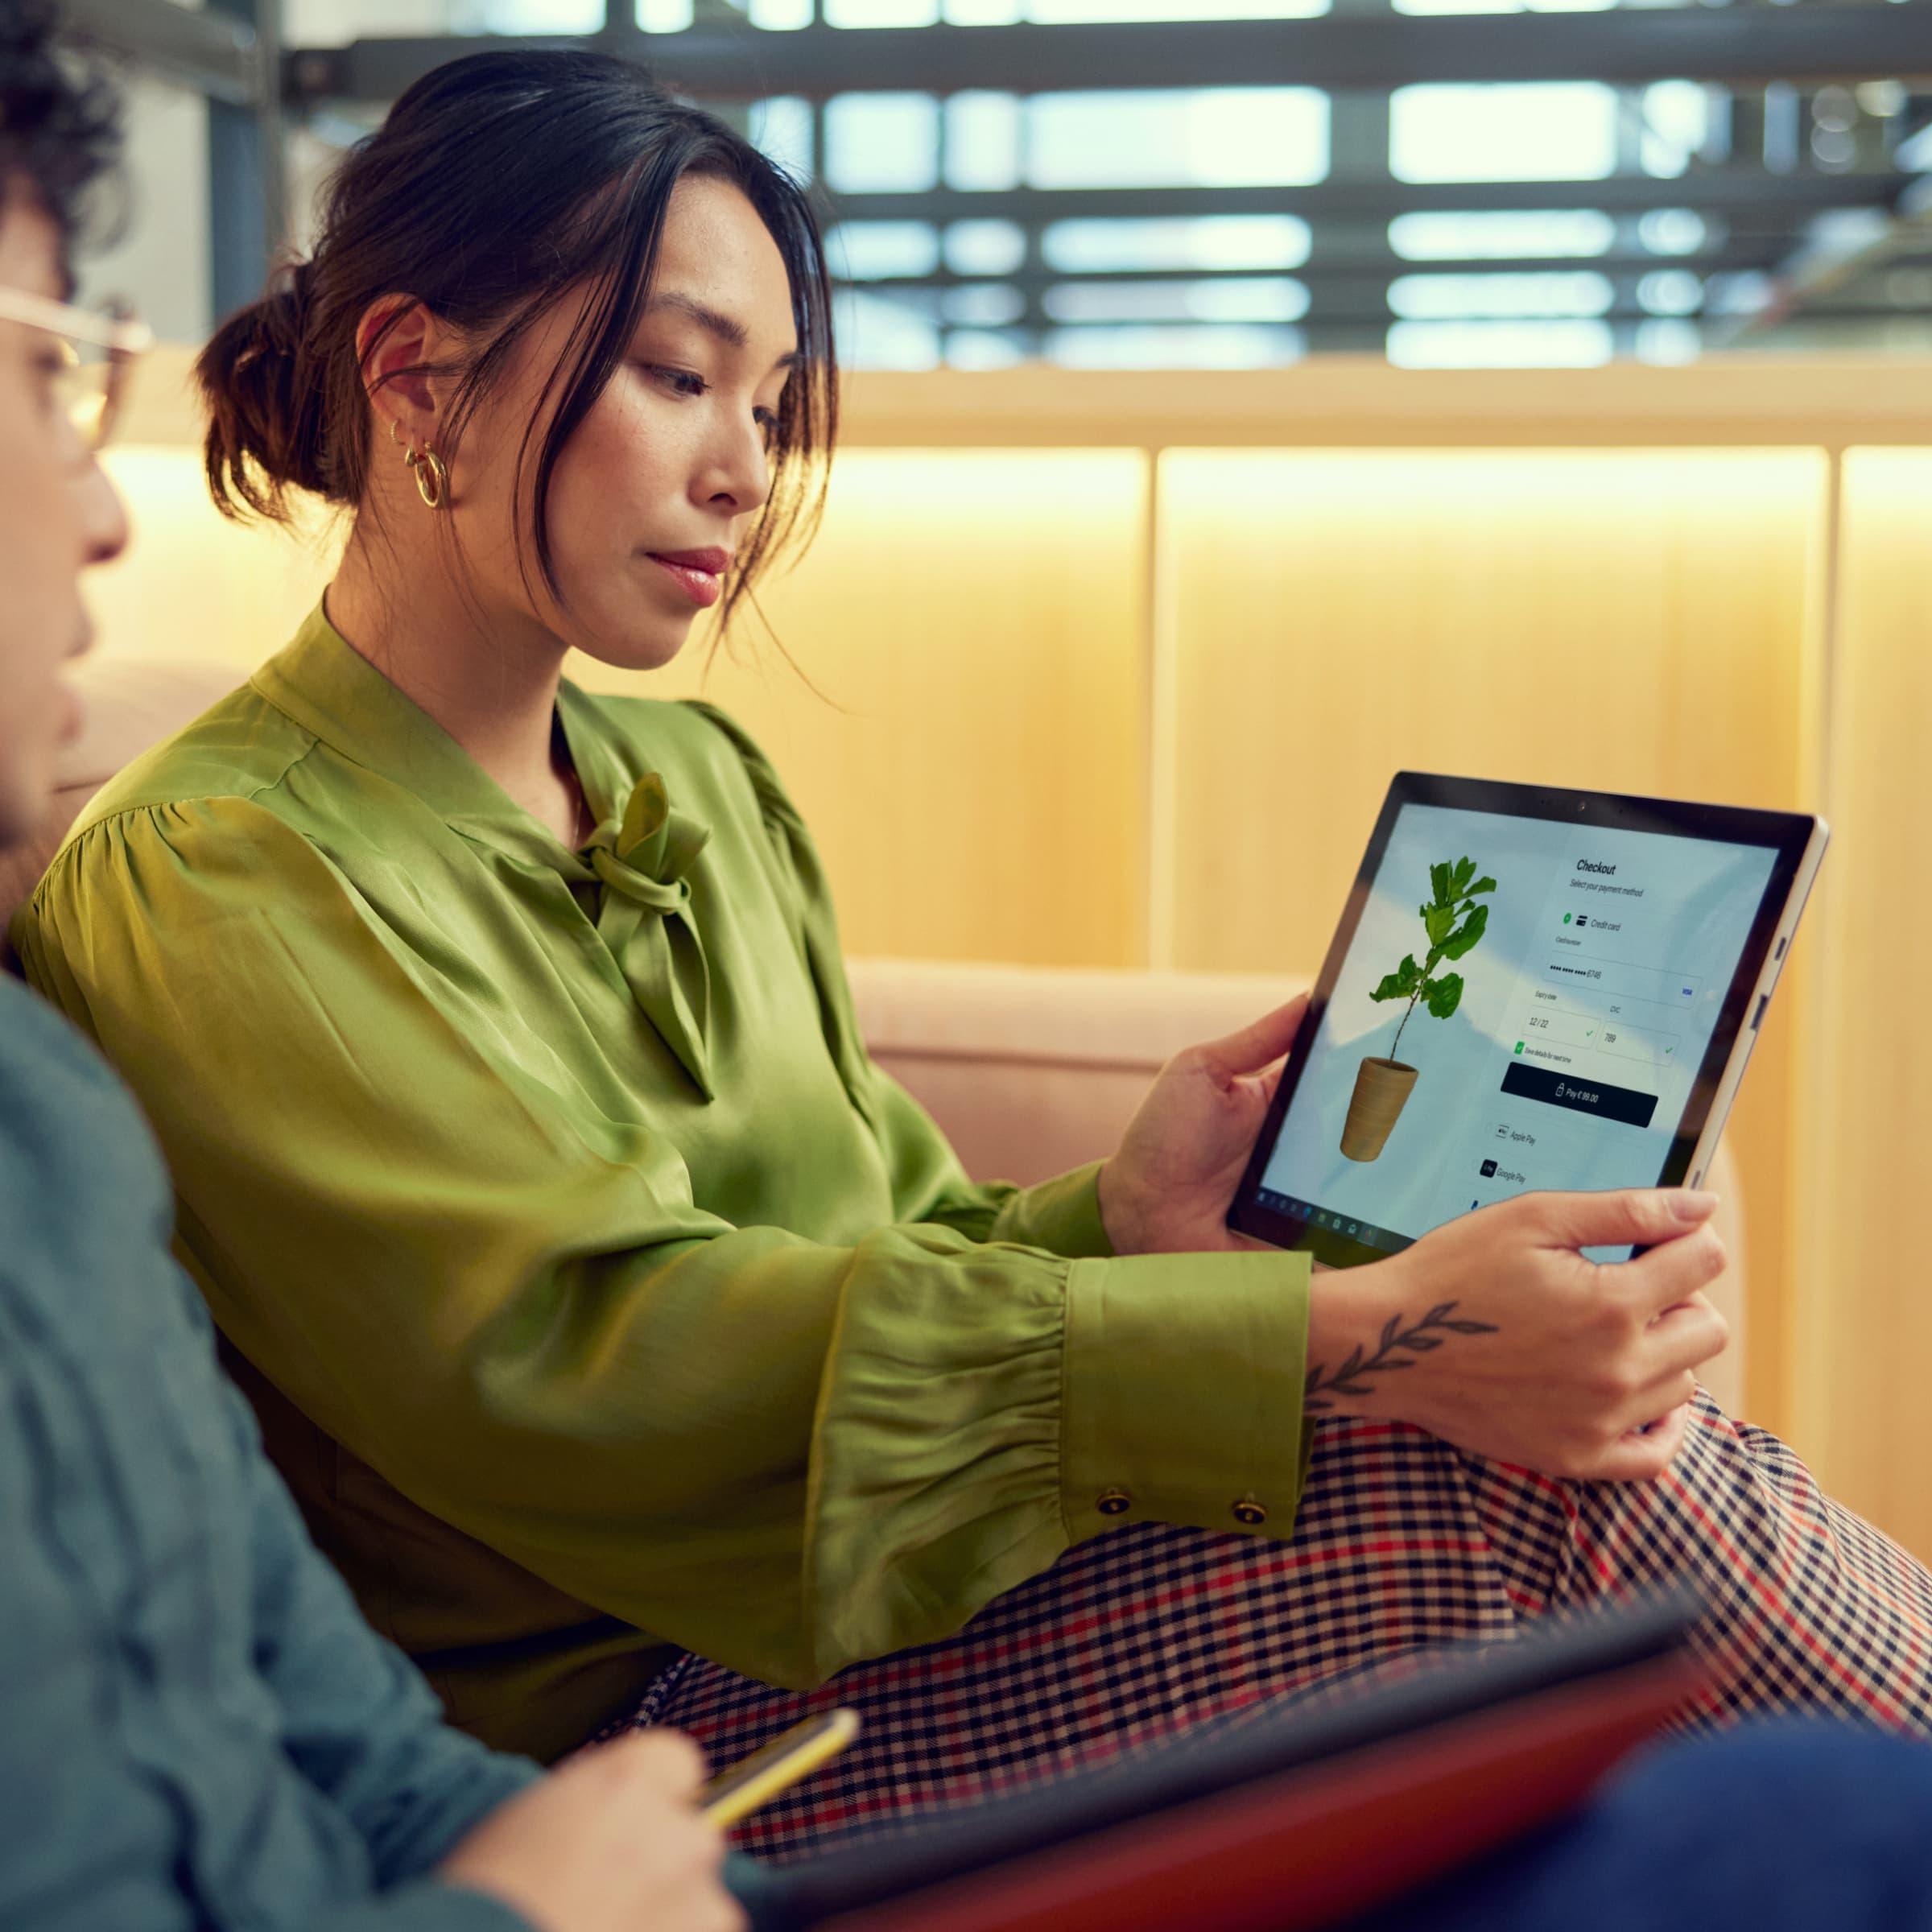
(98, 353)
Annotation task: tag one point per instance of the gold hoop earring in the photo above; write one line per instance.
(431, 474)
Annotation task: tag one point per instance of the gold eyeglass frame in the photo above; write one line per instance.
(123, 339)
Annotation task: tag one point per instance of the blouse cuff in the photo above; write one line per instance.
(1062, 1215)
(1182, 1404)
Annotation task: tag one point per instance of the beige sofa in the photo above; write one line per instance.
(1030, 1070)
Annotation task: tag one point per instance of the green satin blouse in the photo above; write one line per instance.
(597, 1292)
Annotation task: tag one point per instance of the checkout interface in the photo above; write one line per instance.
(1588, 1004)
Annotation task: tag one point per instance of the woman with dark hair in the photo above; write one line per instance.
(634, 1345)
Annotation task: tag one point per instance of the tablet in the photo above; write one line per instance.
(1530, 989)
(1291, 1819)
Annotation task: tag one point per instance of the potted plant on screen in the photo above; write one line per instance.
(1455, 924)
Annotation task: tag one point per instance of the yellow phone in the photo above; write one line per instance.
(783, 1763)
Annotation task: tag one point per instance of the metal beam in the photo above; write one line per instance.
(1718, 191)
(1742, 47)
(247, 171)
(1347, 285)
(1369, 309)
(217, 55)
(1854, 309)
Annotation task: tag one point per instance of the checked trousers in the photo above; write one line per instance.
(1402, 1543)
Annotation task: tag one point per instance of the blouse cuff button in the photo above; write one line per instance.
(1113, 1502)
(1250, 1513)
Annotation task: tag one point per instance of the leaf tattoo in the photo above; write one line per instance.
(1351, 1377)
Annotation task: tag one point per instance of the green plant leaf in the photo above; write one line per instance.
(1455, 924)
(1468, 934)
(1400, 985)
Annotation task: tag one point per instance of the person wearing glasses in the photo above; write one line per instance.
(92, 356)
(196, 1727)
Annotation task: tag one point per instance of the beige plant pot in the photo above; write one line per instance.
(1381, 1091)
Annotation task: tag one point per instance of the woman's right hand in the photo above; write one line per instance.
(1495, 1334)
(610, 1842)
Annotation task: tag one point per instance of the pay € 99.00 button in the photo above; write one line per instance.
(1597, 1097)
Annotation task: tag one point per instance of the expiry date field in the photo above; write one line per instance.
(1588, 1032)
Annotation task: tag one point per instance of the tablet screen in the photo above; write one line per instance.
(1526, 1004)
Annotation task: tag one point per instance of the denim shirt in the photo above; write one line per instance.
(196, 1727)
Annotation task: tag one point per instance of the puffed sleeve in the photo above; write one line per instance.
(787, 1455)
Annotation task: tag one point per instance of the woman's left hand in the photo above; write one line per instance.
(1167, 1189)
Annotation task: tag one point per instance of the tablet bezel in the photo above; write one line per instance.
(1797, 840)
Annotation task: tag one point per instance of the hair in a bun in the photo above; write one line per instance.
(267, 426)
(499, 184)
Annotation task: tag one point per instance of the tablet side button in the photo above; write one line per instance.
(1784, 939)
(1757, 1018)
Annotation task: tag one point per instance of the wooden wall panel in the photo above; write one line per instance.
(980, 619)
(1864, 1320)
(1645, 621)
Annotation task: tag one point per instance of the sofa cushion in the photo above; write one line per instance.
(1033, 1069)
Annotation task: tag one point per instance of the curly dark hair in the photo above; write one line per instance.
(60, 122)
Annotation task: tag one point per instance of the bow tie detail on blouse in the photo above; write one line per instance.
(644, 917)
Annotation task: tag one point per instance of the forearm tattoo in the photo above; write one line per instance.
(1352, 1378)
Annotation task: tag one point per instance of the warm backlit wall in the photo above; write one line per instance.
(1113, 699)
(1863, 1337)
(977, 619)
